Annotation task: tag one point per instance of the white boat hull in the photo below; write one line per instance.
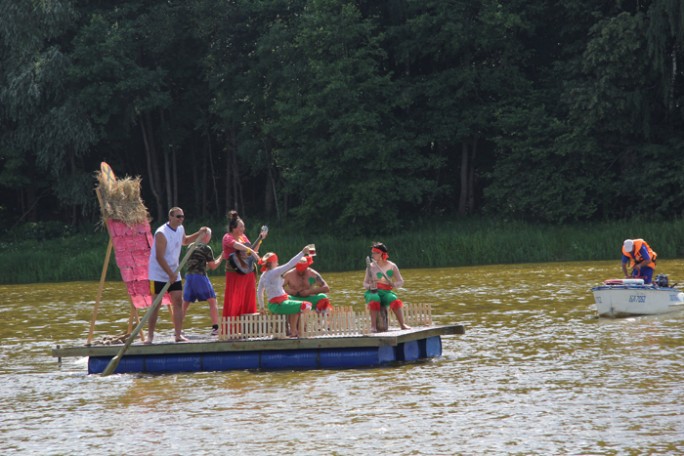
(616, 301)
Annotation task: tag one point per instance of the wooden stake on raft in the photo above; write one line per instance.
(109, 180)
(99, 292)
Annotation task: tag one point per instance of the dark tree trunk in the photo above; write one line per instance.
(200, 190)
(236, 190)
(174, 175)
(229, 177)
(466, 198)
(214, 187)
(167, 179)
(463, 194)
(73, 216)
(271, 200)
(471, 177)
(151, 154)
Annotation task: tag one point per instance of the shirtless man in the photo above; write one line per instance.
(304, 283)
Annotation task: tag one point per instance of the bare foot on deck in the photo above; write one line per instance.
(181, 338)
(148, 341)
(405, 327)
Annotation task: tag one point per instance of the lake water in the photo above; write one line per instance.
(535, 373)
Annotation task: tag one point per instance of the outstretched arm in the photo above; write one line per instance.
(625, 261)
(189, 238)
(283, 268)
(215, 264)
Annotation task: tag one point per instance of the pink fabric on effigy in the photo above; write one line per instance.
(132, 246)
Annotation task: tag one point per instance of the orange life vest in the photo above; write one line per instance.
(635, 255)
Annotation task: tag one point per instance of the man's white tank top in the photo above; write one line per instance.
(174, 242)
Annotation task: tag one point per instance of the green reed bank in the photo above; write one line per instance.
(53, 252)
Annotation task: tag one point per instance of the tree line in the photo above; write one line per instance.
(346, 116)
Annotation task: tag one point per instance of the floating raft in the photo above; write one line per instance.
(339, 339)
(318, 352)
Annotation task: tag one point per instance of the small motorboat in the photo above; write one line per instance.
(618, 298)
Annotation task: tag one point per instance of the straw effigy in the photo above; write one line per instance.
(121, 200)
(126, 218)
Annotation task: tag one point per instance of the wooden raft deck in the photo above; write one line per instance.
(340, 339)
(317, 352)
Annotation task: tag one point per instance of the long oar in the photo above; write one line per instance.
(369, 261)
(111, 367)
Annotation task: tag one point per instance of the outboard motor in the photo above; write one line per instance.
(661, 280)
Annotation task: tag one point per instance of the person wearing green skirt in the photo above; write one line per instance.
(271, 283)
(304, 283)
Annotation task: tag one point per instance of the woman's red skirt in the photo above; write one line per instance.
(240, 295)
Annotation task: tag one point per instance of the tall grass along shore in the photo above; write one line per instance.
(57, 253)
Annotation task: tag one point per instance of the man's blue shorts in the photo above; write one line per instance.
(197, 288)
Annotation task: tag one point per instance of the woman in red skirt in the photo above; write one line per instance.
(240, 295)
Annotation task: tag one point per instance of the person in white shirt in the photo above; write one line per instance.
(271, 282)
(164, 260)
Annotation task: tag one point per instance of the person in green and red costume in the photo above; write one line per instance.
(304, 283)
(271, 283)
(382, 277)
(641, 258)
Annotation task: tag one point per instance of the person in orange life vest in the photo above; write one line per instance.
(303, 283)
(641, 258)
(379, 288)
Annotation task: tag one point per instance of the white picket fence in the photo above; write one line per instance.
(339, 321)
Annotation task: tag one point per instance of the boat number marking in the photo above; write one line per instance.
(637, 298)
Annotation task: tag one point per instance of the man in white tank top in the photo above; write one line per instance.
(164, 260)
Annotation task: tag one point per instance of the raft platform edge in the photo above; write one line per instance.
(307, 353)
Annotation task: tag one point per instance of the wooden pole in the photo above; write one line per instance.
(111, 367)
(133, 316)
(99, 291)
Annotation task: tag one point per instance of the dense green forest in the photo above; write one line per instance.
(345, 116)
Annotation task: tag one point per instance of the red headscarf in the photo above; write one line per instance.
(270, 257)
(304, 263)
(383, 255)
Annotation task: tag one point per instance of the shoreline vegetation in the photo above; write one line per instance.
(53, 252)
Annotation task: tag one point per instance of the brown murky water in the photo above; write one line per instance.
(535, 373)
